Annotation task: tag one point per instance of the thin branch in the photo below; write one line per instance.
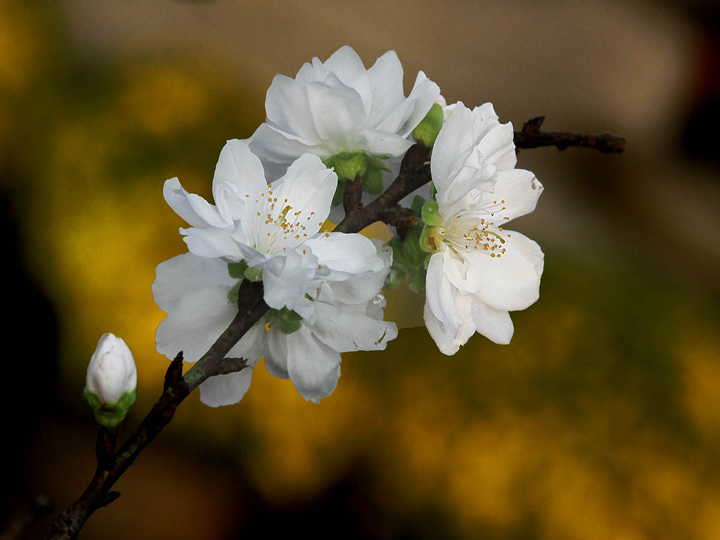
(414, 173)
(111, 465)
(532, 137)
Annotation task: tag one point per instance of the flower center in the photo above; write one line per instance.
(467, 232)
(279, 229)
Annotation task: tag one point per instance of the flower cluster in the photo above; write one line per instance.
(334, 123)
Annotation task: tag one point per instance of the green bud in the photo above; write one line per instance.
(431, 214)
(254, 274)
(417, 205)
(237, 269)
(429, 127)
(427, 240)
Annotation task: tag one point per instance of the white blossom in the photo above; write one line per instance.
(274, 228)
(194, 291)
(111, 371)
(337, 107)
(480, 271)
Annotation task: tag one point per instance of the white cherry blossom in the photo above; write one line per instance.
(480, 271)
(194, 291)
(273, 227)
(338, 106)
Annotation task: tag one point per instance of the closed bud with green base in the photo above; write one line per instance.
(111, 382)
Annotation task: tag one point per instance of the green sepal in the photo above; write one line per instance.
(373, 181)
(339, 192)
(394, 278)
(254, 274)
(417, 280)
(411, 247)
(347, 165)
(287, 320)
(237, 269)
(429, 127)
(233, 293)
(431, 214)
(433, 191)
(289, 326)
(417, 206)
(110, 415)
(399, 259)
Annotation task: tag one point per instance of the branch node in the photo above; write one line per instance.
(533, 125)
(173, 375)
(352, 198)
(230, 365)
(400, 218)
(108, 498)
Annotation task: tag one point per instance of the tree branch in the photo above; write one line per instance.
(112, 465)
(532, 137)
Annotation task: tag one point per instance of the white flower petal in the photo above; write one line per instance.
(192, 208)
(377, 141)
(363, 288)
(494, 324)
(229, 389)
(348, 67)
(510, 282)
(286, 279)
(386, 81)
(275, 146)
(176, 276)
(348, 328)
(238, 166)
(337, 111)
(305, 194)
(211, 243)
(447, 343)
(345, 254)
(520, 190)
(439, 297)
(276, 352)
(314, 367)
(288, 109)
(194, 323)
(498, 148)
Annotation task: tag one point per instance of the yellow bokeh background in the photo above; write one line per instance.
(601, 419)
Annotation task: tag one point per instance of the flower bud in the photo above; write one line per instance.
(429, 128)
(111, 382)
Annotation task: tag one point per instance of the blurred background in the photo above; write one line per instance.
(601, 419)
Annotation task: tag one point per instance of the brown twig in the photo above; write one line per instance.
(111, 465)
(352, 198)
(532, 137)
